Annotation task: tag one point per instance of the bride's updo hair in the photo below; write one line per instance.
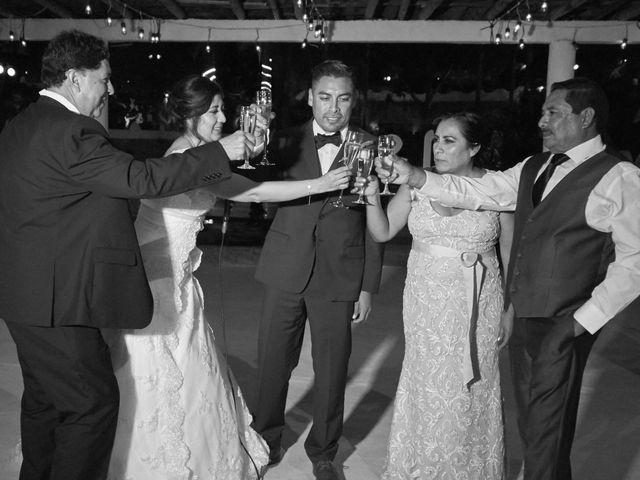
(189, 98)
(475, 131)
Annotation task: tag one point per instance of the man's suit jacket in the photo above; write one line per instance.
(68, 250)
(307, 237)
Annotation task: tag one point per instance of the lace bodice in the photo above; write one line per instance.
(167, 229)
(466, 231)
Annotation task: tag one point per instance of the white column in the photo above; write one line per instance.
(562, 57)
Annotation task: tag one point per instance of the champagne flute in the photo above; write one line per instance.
(386, 146)
(352, 146)
(263, 101)
(248, 125)
(365, 162)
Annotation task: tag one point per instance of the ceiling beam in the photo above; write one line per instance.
(238, 11)
(427, 8)
(175, 9)
(628, 13)
(565, 8)
(53, 7)
(498, 8)
(370, 9)
(404, 8)
(355, 31)
(275, 10)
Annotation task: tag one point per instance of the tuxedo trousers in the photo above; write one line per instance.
(556, 359)
(281, 331)
(69, 406)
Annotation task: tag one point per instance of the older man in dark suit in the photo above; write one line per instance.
(575, 258)
(69, 256)
(318, 262)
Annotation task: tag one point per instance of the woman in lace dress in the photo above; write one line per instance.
(182, 415)
(447, 420)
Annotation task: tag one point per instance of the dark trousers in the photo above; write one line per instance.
(557, 361)
(281, 332)
(69, 405)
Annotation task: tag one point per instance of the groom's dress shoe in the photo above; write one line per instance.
(324, 470)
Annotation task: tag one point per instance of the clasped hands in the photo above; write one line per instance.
(241, 144)
(391, 168)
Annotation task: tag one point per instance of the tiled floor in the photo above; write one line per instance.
(607, 445)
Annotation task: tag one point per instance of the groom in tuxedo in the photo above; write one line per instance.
(69, 256)
(318, 264)
(575, 257)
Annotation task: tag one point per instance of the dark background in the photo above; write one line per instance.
(419, 77)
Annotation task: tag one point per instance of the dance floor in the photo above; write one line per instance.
(607, 444)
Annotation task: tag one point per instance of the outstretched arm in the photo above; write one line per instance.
(241, 189)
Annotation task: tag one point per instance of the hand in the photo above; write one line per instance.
(362, 308)
(399, 171)
(238, 144)
(370, 185)
(262, 122)
(335, 179)
(506, 327)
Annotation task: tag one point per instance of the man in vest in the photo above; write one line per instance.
(575, 259)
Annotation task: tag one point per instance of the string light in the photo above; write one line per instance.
(207, 47)
(141, 33)
(23, 41)
(87, 8)
(507, 33)
(521, 44)
(543, 7)
(123, 28)
(517, 27)
(108, 21)
(12, 36)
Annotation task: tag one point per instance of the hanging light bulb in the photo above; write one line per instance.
(521, 44)
(141, 33)
(123, 28)
(108, 21)
(158, 56)
(518, 26)
(207, 48)
(576, 66)
(258, 49)
(299, 3)
(544, 6)
(12, 36)
(507, 33)
(318, 30)
(498, 39)
(623, 45)
(23, 42)
(528, 17)
(323, 39)
(304, 43)
(305, 17)
(87, 9)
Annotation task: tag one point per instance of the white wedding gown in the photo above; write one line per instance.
(182, 415)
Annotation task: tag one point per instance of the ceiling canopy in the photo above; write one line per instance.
(476, 10)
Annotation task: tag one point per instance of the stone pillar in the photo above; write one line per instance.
(562, 57)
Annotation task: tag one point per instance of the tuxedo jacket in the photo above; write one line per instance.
(68, 249)
(309, 235)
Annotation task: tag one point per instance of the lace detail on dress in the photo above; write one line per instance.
(442, 429)
(179, 418)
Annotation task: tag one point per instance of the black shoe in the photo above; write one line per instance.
(275, 456)
(324, 470)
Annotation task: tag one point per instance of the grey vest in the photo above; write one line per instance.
(556, 258)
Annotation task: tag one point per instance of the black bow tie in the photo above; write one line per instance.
(322, 140)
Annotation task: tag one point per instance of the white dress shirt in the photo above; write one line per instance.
(329, 151)
(59, 98)
(613, 206)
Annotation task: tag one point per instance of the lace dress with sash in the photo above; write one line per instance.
(182, 415)
(447, 420)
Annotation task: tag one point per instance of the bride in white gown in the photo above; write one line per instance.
(182, 415)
